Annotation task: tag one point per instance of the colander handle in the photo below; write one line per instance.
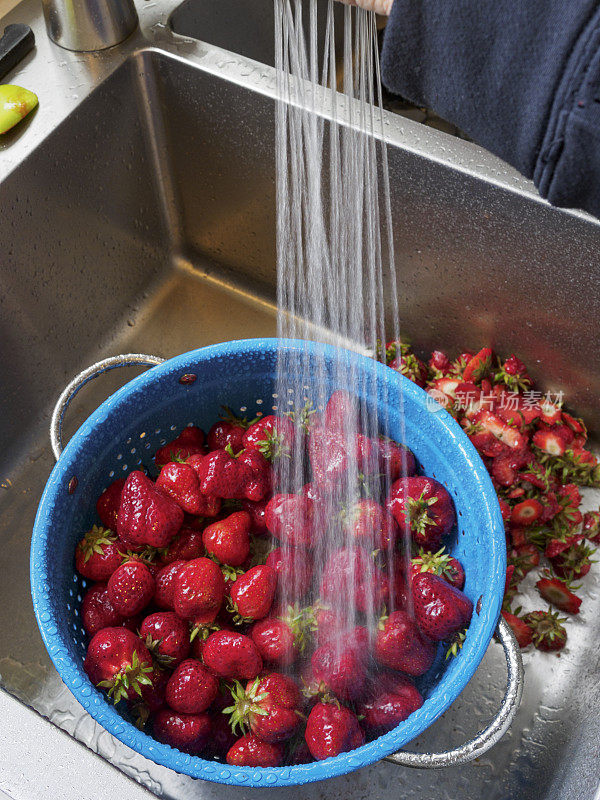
(127, 360)
(489, 736)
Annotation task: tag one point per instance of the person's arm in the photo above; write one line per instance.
(520, 77)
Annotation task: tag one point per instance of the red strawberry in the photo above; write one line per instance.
(424, 507)
(399, 644)
(513, 373)
(294, 571)
(167, 637)
(549, 442)
(478, 366)
(165, 584)
(440, 563)
(393, 700)
(574, 562)
(290, 518)
(181, 483)
(548, 632)
(441, 610)
(152, 697)
(439, 362)
(520, 628)
(341, 667)
(332, 729)
(342, 412)
(146, 515)
(250, 751)
(118, 661)
(222, 473)
(369, 524)
(228, 540)
(351, 575)
(505, 509)
(272, 436)
(332, 455)
(190, 733)
(189, 442)
(591, 526)
(275, 640)
(411, 367)
(228, 431)
(131, 588)
(186, 546)
(505, 467)
(558, 594)
(526, 512)
(199, 589)
(395, 460)
(191, 688)
(108, 504)
(499, 428)
(253, 592)
(97, 555)
(232, 655)
(257, 514)
(267, 706)
(571, 493)
(97, 611)
(557, 546)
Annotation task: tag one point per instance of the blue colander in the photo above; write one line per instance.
(152, 409)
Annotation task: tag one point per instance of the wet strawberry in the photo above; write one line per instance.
(230, 475)
(257, 515)
(440, 563)
(332, 456)
(290, 518)
(189, 442)
(190, 733)
(167, 637)
(294, 572)
(549, 634)
(250, 751)
(191, 688)
(549, 441)
(146, 515)
(407, 364)
(199, 589)
(526, 512)
(393, 699)
(423, 507)
(164, 588)
(181, 483)
(131, 588)
(341, 667)
(108, 504)
(441, 610)
(275, 640)
(97, 555)
(520, 628)
(266, 706)
(575, 561)
(272, 436)
(231, 655)
(253, 592)
(399, 644)
(186, 546)
(351, 575)
(395, 460)
(439, 363)
(554, 591)
(228, 539)
(228, 431)
(118, 661)
(342, 412)
(591, 526)
(332, 729)
(97, 611)
(371, 525)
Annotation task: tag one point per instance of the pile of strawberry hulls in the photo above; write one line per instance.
(537, 458)
(190, 617)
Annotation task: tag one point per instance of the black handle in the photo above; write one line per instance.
(17, 41)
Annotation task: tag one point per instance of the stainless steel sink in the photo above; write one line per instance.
(138, 215)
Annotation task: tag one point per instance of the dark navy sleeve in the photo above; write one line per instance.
(520, 77)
